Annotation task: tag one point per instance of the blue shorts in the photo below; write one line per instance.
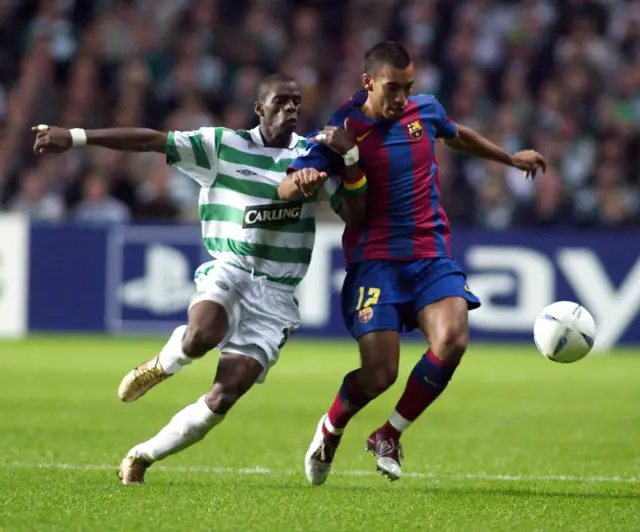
(387, 295)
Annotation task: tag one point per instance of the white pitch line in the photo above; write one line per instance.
(356, 473)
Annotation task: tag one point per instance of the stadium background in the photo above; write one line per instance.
(105, 243)
(563, 77)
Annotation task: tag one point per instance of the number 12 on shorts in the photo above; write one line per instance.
(373, 296)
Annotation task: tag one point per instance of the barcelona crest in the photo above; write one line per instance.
(365, 314)
(416, 131)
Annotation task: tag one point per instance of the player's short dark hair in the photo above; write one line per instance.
(386, 53)
(266, 85)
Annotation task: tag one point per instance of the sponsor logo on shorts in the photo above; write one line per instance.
(222, 285)
(271, 215)
(365, 314)
(466, 288)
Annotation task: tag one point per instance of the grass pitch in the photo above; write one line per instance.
(516, 443)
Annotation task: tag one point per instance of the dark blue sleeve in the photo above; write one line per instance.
(445, 127)
(319, 157)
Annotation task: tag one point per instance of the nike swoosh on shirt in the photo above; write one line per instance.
(362, 137)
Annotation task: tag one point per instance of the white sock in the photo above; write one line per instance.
(187, 427)
(172, 357)
(331, 429)
(398, 422)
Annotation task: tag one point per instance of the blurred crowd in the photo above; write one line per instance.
(560, 76)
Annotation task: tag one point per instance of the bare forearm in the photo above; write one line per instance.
(355, 204)
(128, 139)
(472, 143)
(352, 173)
(353, 210)
(288, 190)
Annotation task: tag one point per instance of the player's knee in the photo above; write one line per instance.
(379, 354)
(199, 340)
(206, 328)
(385, 378)
(451, 344)
(378, 379)
(221, 398)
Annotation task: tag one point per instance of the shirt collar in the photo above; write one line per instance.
(256, 136)
(359, 98)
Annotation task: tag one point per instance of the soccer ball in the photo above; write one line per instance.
(564, 332)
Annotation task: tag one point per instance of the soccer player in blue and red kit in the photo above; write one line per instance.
(400, 273)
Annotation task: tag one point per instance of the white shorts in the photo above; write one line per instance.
(262, 314)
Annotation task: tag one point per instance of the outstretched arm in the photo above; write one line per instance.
(51, 139)
(193, 152)
(469, 142)
(472, 143)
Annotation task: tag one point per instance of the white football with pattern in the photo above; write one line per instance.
(564, 332)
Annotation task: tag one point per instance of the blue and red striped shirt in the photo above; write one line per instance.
(405, 218)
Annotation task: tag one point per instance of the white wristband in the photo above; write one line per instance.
(78, 136)
(352, 156)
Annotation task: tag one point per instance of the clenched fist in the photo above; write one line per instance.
(337, 139)
(308, 180)
(51, 139)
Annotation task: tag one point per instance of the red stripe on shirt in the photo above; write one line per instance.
(375, 160)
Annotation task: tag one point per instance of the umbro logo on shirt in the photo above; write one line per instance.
(245, 171)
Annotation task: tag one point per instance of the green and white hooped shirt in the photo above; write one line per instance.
(244, 224)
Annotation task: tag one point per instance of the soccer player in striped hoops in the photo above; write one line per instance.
(400, 273)
(261, 248)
